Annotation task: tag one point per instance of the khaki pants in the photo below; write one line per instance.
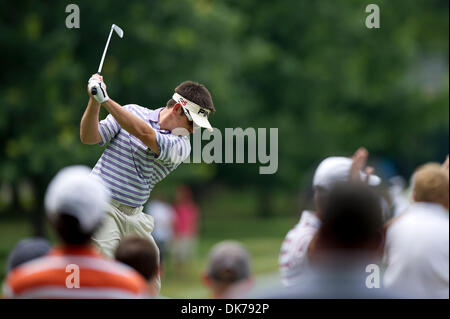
(120, 221)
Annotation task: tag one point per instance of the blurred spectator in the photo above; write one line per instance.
(294, 251)
(228, 273)
(187, 214)
(349, 239)
(164, 216)
(140, 254)
(398, 195)
(26, 250)
(417, 243)
(76, 204)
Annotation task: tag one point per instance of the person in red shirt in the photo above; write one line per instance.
(186, 226)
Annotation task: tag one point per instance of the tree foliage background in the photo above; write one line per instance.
(309, 68)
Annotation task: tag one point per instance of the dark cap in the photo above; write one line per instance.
(229, 262)
(27, 250)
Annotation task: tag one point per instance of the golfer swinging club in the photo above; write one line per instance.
(143, 147)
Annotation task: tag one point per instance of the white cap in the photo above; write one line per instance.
(76, 192)
(336, 169)
(198, 114)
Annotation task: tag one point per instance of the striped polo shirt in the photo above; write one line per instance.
(129, 167)
(72, 273)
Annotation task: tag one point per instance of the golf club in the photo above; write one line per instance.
(119, 32)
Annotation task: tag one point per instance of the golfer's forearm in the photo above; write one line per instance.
(89, 124)
(133, 124)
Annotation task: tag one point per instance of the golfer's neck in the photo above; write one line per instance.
(163, 118)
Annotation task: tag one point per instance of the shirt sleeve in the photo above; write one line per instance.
(172, 149)
(109, 127)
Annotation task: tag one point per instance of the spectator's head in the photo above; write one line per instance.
(27, 250)
(228, 267)
(76, 203)
(352, 221)
(430, 184)
(140, 254)
(331, 171)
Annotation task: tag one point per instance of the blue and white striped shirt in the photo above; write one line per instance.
(129, 167)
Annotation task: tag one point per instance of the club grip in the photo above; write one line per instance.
(94, 90)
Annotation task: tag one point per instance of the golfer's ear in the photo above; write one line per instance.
(176, 108)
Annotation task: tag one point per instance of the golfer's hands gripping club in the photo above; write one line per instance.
(97, 88)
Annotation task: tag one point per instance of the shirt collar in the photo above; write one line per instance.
(154, 117)
(84, 250)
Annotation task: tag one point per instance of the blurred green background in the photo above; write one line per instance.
(309, 68)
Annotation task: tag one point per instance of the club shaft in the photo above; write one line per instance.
(104, 52)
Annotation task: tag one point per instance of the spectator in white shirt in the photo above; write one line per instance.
(399, 195)
(164, 216)
(417, 242)
(293, 258)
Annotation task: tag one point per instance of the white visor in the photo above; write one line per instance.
(199, 115)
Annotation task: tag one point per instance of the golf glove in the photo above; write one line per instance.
(98, 90)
